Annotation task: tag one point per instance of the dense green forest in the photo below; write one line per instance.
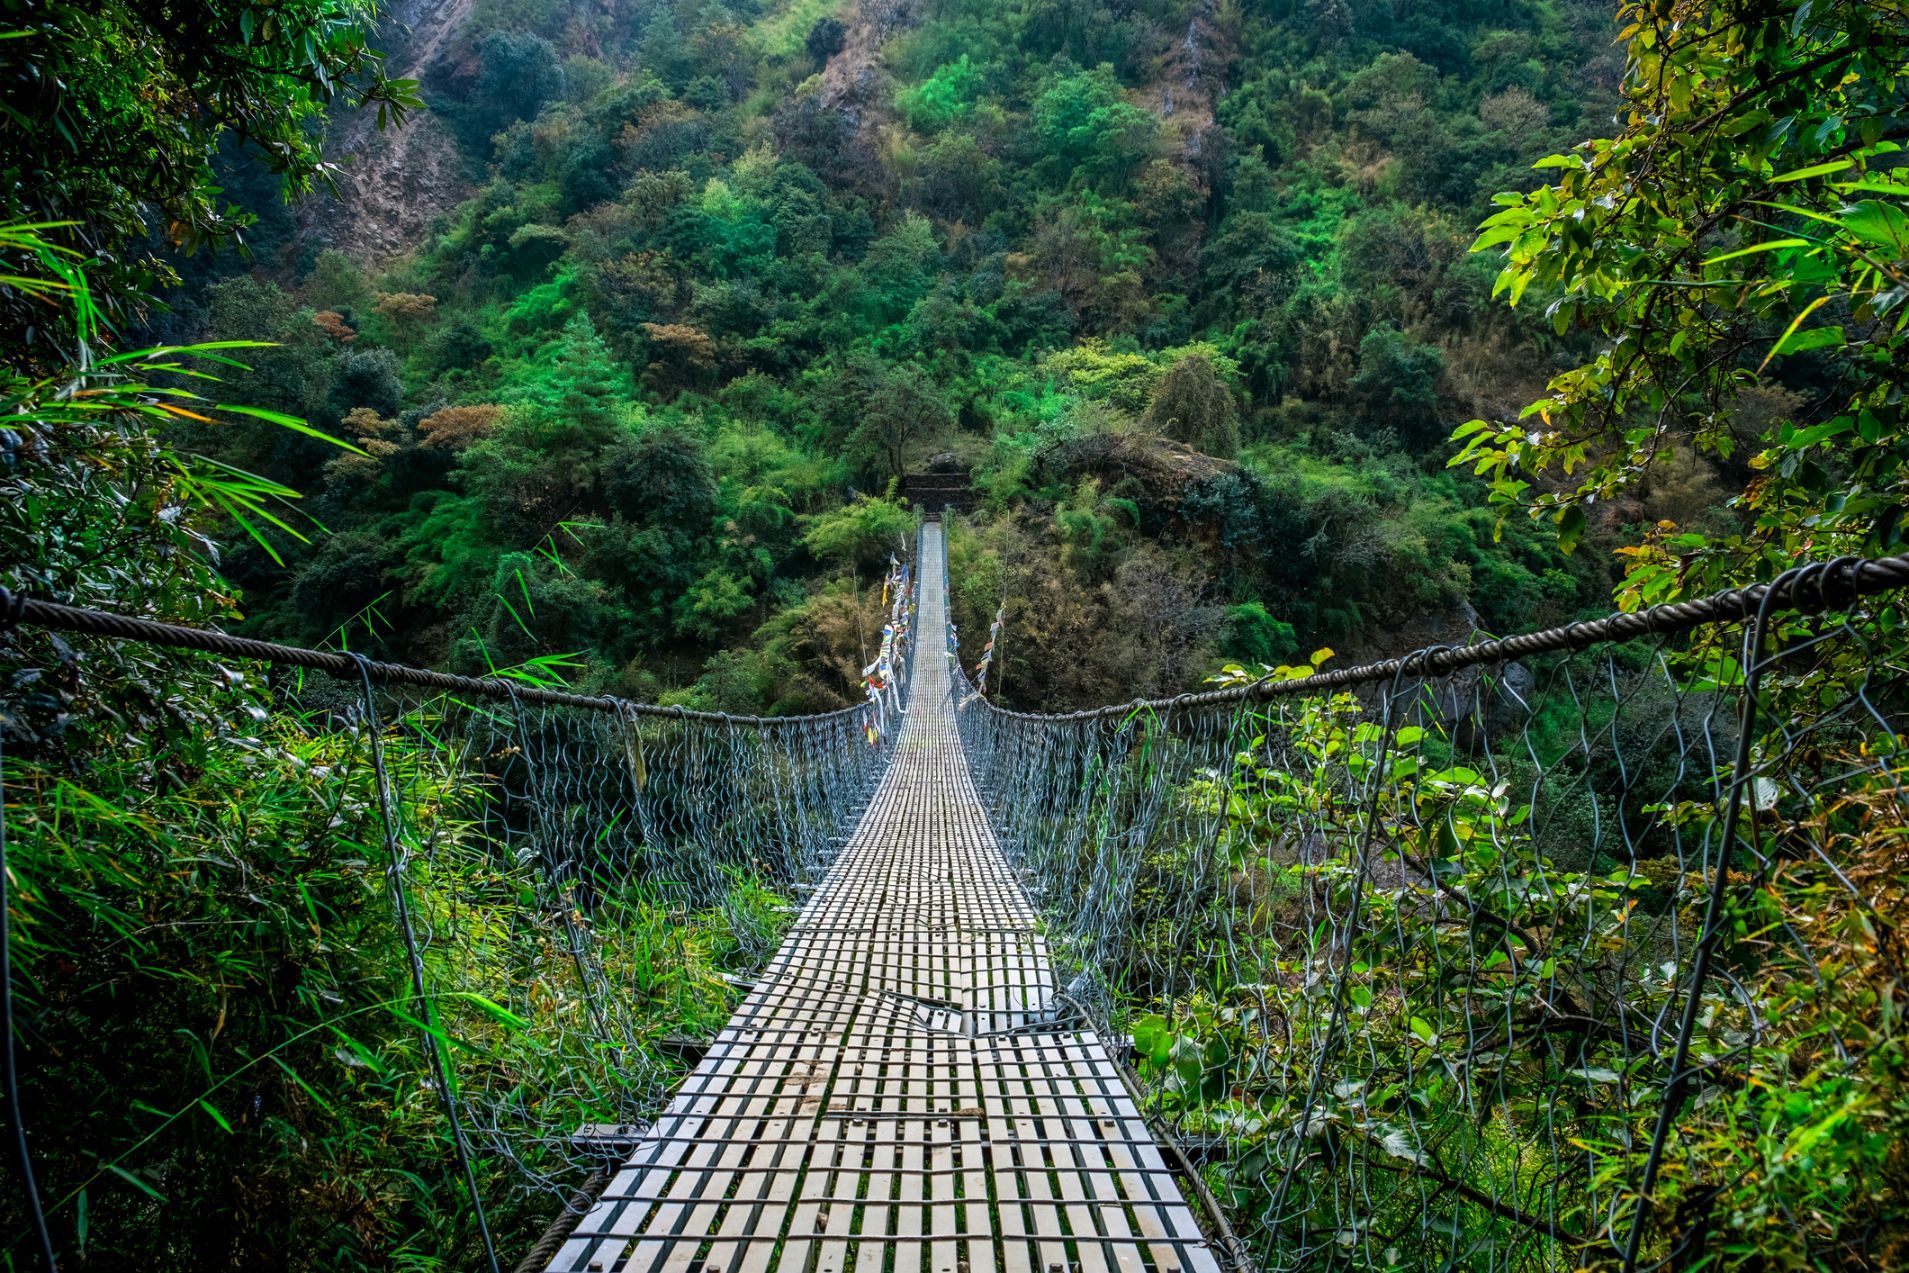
(1184, 285)
(599, 344)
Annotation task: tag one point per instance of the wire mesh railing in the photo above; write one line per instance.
(432, 943)
(1576, 950)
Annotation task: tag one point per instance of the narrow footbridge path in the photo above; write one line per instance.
(894, 1095)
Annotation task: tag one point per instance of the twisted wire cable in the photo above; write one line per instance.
(1447, 958)
(1412, 956)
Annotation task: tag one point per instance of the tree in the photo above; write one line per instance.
(590, 175)
(336, 281)
(681, 357)
(520, 73)
(1097, 257)
(1396, 386)
(944, 97)
(902, 265)
(377, 440)
(1090, 369)
(825, 39)
(456, 345)
(891, 407)
(582, 386)
(117, 110)
(1091, 526)
(1750, 222)
(293, 375)
(371, 378)
(406, 307)
(860, 534)
(661, 477)
(1084, 125)
(407, 312)
(1256, 637)
(958, 180)
(825, 138)
(1515, 114)
(713, 604)
(333, 326)
(1330, 22)
(454, 428)
(1193, 405)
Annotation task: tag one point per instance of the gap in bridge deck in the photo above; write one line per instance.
(863, 1112)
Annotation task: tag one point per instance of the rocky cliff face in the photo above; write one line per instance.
(853, 81)
(393, 184)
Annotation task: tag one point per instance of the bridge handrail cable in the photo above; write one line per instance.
(1811, 588)
(17, 609)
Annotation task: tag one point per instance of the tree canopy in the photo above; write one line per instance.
(118, 116)
(1183, 299)
(1744, 234)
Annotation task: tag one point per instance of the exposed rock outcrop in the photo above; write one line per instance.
(853, 74)
(393, 184)
(1162, 467)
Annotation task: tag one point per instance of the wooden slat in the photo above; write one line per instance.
(867, 1103)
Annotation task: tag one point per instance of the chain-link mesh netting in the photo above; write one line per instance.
(515, 913)
(563, 874)
(1420, 968)
(1436, 971)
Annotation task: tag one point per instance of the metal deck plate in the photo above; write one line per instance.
(886, 1100)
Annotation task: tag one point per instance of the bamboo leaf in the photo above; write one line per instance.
(212, 1112)
(1772, 246)
(1795, 323)
(291, 422)
(1814, 170)
(135, 1181)
(495, 1010)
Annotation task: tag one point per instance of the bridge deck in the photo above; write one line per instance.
(885, 1100)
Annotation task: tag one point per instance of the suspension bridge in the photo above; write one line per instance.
(905, 1088)
(1519, 956)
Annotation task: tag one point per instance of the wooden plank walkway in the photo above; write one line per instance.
(886, 1100)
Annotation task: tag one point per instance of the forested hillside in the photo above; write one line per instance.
(1184, 285)
(597, 343)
